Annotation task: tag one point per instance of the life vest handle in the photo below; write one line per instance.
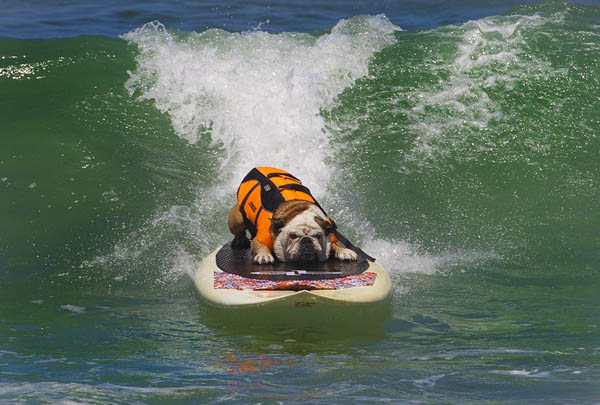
(296, 187)
(281, 174)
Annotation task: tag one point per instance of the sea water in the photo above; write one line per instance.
(458, 144)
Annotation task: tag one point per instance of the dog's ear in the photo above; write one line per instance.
(276, 225)
(327, 226)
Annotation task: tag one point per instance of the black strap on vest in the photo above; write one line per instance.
(296, 187)
(281, 174)
(270, 197)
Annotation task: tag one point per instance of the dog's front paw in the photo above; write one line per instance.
(263, 258)
(345, 254)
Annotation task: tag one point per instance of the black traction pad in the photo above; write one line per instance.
(239, 261)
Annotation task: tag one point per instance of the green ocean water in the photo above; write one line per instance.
(465, 158)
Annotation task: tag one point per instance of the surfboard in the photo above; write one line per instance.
(227, 278)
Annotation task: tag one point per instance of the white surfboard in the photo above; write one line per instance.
(204, 279)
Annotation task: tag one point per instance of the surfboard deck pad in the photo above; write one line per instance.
(239, 261)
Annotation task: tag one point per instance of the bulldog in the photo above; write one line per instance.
(285, 221)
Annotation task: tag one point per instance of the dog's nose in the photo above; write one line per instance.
(306, 240)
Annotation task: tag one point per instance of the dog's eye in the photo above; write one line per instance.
(293, 235)
(318, 235)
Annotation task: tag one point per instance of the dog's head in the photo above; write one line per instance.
(300, 232)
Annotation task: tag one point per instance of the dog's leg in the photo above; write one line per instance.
(342, 253)
(238, 228)
(261, 254)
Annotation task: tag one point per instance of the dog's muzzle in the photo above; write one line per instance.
(307, 249)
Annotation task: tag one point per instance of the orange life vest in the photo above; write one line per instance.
(261, 192)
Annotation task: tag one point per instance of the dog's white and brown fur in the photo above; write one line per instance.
(299, 230)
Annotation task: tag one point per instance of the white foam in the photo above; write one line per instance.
(73, 308)
(490, 51)
(402, 257)
(429, 381)
(257, 95)
(184, 264)
(523, 373)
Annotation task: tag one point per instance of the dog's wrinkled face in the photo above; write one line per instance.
(301, 233)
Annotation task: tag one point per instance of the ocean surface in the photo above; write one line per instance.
(457, 142)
